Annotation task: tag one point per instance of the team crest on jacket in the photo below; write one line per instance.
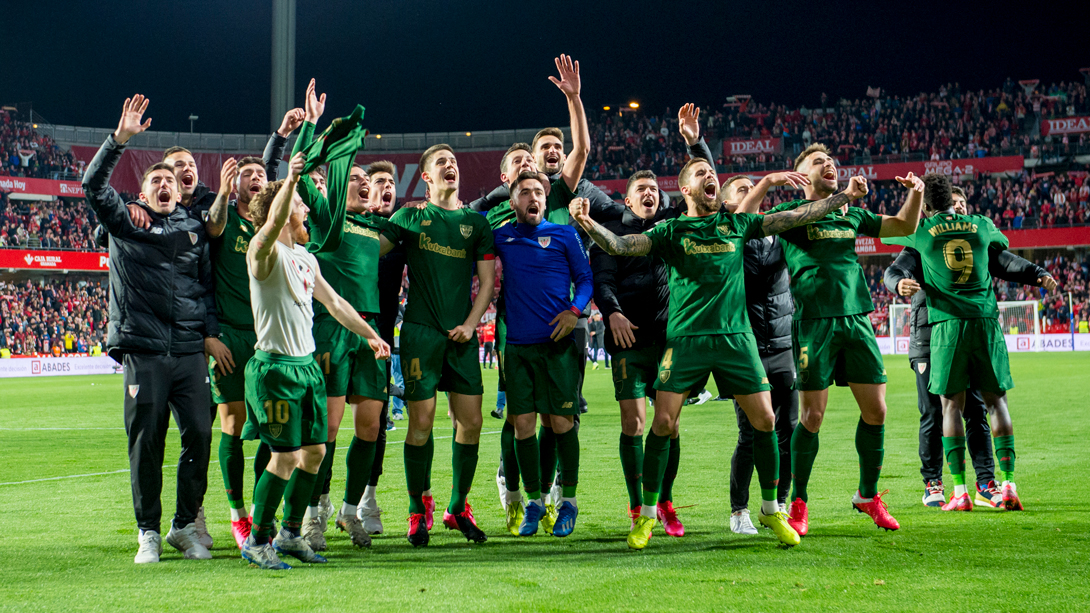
(466, 229)
(275, 430)
(921, 366)
(133, 391)
(193, 238)
(544, 241)
(204, 216)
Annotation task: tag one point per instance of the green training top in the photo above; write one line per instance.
(556, 206)
(232, 280)
(954, 250)
(441, 248)
(826, 278)
(707, 281)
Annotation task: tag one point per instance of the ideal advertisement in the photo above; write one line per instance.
(1067, 125)
(54, 367)
(742, 146)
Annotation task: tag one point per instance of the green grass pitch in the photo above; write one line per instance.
(67, 534)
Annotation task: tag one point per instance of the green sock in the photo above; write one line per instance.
(267, 495)
(296, 497)
(546, 444)
(528, 463)
(631, 448)
(655, 456)
(869, 444)
(416, 466)
(567, 448)
(232, 465)
(323, 471)
(464, 461)
(1004, 452)
(261, 460)
(766, 459)
(360, 457)
(430, 448)
(804, 449)
(509, 458)
(666, 490)
(954, 449)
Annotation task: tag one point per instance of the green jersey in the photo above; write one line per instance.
(707, 282)
(232, 280)
(826, 278)
(955, 251)
(556, 206)
(441, 248)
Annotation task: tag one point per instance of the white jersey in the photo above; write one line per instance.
(282, 303)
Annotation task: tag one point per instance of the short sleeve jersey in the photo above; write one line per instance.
(706, 278)
(954, 251)
(826, 278)
(232, 280)
(441, 249)
(352, 270)
(556, 206)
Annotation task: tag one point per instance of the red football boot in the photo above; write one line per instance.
(877, 511)
(418, 530)
(429, 511)
(1010, 497)
(799, 518)
(241, 530)
(959, 503)
(668, 518)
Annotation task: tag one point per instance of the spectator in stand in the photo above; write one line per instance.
(26, 153)
(36, 316)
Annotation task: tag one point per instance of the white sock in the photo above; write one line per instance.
(769, 507)
(571, 500)
(651, 511)
(859, 497)
(314, 511)
(368, 499)
(348, 510)
(426, 493)
(510, 497)
(539, 501)
(237, 514)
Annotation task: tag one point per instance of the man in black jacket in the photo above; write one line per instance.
(160, 317)
(902, 278)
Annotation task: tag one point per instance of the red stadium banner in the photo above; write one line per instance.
(1067, 125)
(23, 259)
(742, 146)
(41, 187)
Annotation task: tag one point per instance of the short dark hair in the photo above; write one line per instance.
(153, 168)
(513, 148)
(727, 183)
(636, 176)
(937, 192)
(524, 175)
(385, 166)
(430, 151)
(815, 148)
(957, 191)
(686, 170)
(320, 170)
(175, 149)
(251, 159)
(260, 203)
(557, 132)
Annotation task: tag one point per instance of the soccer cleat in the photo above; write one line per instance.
(565, 519)
(464, 523)
(497, 412)
(779, 524)
(312, 531)
(989, 497)
(1010, 497)
(354, 527)
(296, 547)
(325, 505)
(516, 518)
(740, 523)
(641, 532)
(398, 414)
(530, 521)
(501, 487)
(799, 518)
(668, 518)
(151, 547)
(262, 556)
(390, 427)
(877, 510)
(187, 541)
(632, 515)
(202, 529)
(933, 493)
(418, 531)
(429, 511)
(702, 398)
(241, 529)
(371, 518)
(959, 503)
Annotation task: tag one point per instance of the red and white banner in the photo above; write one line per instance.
(53, 367)
(41, 187)
(23, 259)
(1016, 343)
(1067, 125)
(742, 146)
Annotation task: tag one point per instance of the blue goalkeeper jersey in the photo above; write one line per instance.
(540, 265)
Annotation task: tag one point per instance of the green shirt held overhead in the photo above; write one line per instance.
(441, 248)
(707, 282)
(826, 278)
(232, 280)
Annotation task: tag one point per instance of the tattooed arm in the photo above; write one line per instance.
(217, 215)
(633, 244)
(261, 254)
(774, 223)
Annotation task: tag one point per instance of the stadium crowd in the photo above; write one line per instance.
(24, 152)
(46, 225)
(54, 317)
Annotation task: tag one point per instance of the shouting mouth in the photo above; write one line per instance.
(830, 175)
(450, 175)
(387, 197)
(164, 196)
(709, 190)
(188, 180)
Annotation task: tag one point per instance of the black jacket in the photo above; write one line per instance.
(1006, 266)
(391, 269)
(160, 278)
(768, 294)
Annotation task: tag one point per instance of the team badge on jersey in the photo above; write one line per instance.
(664, 376)
(466, 229)
(275, 429)
(544, 241)
(133, 391)
(193, 238)
(724, 228)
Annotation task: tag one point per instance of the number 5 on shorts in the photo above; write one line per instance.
(804, 358)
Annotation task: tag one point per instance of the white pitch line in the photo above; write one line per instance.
(165, 466)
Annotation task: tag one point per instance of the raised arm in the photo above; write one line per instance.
(906, 220)
(688, 123)
(103, 199)
(774, 223)
(274, 149)
(633, 244)
(752, 202)
(569, 83)
(261, 253)
(1009, 267)
(217, 214)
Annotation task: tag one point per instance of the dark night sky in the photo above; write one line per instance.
(422, 65)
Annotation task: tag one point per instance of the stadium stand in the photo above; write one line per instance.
(26, 153)
(53, 317)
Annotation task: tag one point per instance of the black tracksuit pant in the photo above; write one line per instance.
(157, 386)
(978, 434)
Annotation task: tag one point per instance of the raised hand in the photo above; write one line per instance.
(794, 179)
(292, 120)
(295, 167)
(228, 174)
(131, 113)
(569, 76)
(579, 208)
(315, 104)
(911, 182)
(688, 121)
(857, 187)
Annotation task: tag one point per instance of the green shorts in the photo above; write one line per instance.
(285, 401)
(347, 361)
(544, 378)
(231, 387)
(836, 349)
(430, 361)
(731, 358)
(635, 371)
(969, 353)
(501, 346)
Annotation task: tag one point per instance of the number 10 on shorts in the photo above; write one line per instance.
(278, 412)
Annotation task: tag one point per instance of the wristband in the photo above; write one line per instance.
(575, 310)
